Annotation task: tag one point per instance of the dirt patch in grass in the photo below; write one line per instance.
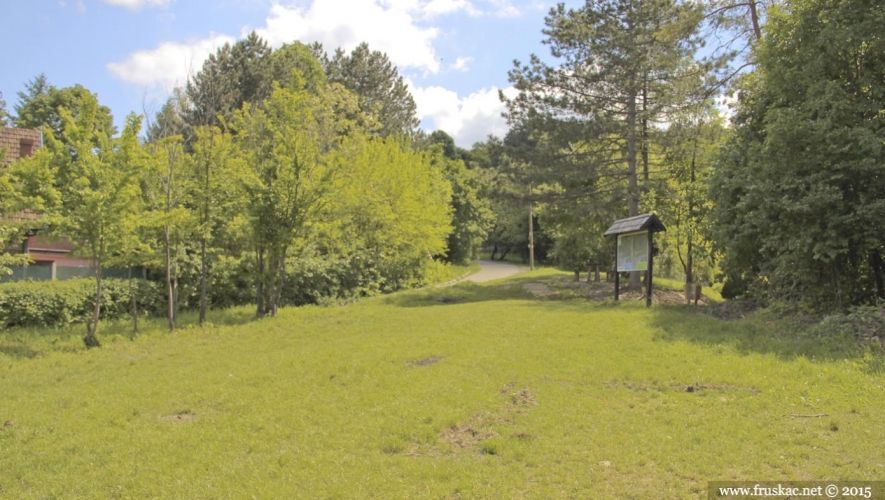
(448, 300)
(538, 289)
(689, 388)
(479, 428)
(181, 417)
(426, 361)
(471, 433)
(566, 287)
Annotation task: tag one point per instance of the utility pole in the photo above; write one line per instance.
(531, 231)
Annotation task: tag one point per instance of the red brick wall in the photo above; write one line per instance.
(37, 243)
(11, 140)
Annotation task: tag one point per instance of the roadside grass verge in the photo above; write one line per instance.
(473, 391)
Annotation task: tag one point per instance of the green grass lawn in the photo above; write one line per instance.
(475, 391)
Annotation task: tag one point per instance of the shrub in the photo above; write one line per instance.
(862, 322)
(62, 303)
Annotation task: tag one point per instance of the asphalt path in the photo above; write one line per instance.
(492, 270)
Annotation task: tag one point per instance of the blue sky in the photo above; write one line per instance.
(455, 54)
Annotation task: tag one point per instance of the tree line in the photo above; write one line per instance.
(293, 174)
(275, 177)
(784, 201)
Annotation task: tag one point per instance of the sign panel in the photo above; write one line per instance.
(633, 252)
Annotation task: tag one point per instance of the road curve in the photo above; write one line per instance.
(492, 270)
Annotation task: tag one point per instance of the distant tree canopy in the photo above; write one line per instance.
(473, 216)
(233, 75)
(4, 114)
(381, 90)
(262, 181)
(38, 106)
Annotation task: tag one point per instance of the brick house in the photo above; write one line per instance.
(51, 257)
(19, 142)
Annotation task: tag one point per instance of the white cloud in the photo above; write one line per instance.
(431, 8)
(469, 119)
(169, 65)
(137, 4)
(79, 5)
(389, 28)
(503, 8)
(440, 7)
(461, 63)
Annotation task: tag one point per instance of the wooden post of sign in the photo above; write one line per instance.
(617, 274)
(650, 269)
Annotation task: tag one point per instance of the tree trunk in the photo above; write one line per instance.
(688, 272)
(91, 339)
(531, 231)
(754, 17)
(175, 294)
(204, 272)
(646, 184)
(170, 296)
(259, 301)
(878, 271)
(632, 181)
(278, 291)
(133, 304)
(836, 285)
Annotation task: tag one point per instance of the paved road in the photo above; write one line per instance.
(495, 270)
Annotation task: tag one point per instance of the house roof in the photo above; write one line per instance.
(637, 223)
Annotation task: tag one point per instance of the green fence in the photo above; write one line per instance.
(24, 273)
(44, 273)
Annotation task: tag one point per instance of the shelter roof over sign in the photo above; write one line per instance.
(638, 223)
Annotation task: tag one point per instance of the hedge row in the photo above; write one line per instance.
(311, 279)
(62, 303)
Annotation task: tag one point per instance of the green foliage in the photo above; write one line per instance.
(171, 119)
(40, 104)
(236, 74)
(861, 322)
(61, 304)
(381, 90)
(394, 206)
(11, 233)
(506, 181)
(577, 246)
(298, 57)
(290, 148)
(799, 185)
(585, 124)
(4, 114)
(168, 182)
(472, 216)
(691, 144)
(86, 185)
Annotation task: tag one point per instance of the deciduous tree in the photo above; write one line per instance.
(38, 106)
(86, 183)
(800, 183)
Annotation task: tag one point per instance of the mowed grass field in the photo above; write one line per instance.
(476, 391)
